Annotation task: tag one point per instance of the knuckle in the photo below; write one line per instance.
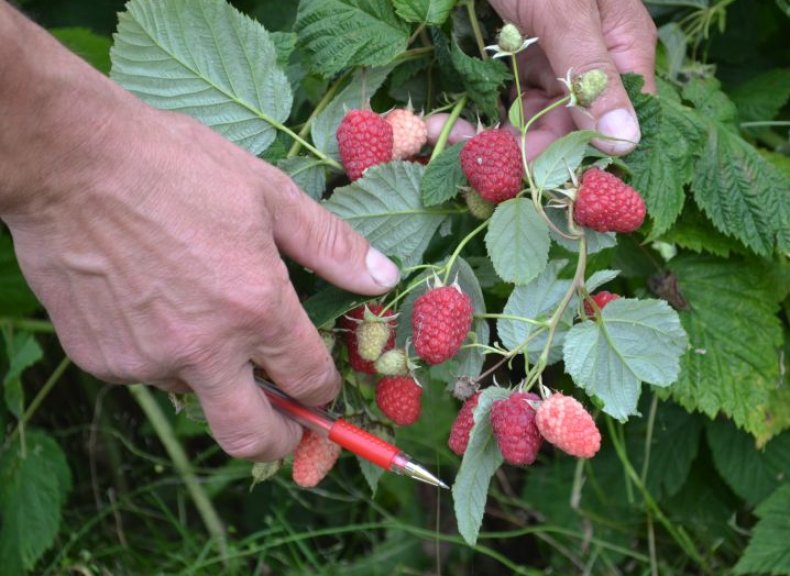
(333, 238)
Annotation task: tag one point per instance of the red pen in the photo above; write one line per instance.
(352, 438)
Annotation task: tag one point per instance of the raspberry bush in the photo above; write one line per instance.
(614, 329)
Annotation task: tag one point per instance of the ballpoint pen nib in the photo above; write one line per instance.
(419, 473)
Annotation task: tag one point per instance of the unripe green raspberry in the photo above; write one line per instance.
(393, 363)
(510, 39)
(372, 337)
(478, 207)
(588, 86)
(329, 339)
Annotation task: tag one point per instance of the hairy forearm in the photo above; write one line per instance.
(53, 106)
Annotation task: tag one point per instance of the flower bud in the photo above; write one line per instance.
(510, 39)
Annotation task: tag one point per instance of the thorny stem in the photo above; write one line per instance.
(470, 8)
(454, 256)
(448, 126)
(323, 103)
(677, 533)
(576, 284)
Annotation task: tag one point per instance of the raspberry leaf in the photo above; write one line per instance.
(424, 11)
(308, 173)
(517, 241)
(767, 552)
(442, 177)
(752, 475)
(762, 97)
(481, 79)
(637, 340)
(362, 87)
(23, 351)
(385, 207)
(33, 489)
(205, 59)
(481, 460)
(537, 300)
(736, 376)
(338, 34)
(556, 163)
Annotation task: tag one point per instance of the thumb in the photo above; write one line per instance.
(322, 242)
(586, 38)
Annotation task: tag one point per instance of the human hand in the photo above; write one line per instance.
(615, 36)
(154, 245)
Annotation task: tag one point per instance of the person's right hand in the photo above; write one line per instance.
(154, 244)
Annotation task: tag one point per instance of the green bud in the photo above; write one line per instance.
(479, 208)
(510, 39)
(393, 363)
(588, 86)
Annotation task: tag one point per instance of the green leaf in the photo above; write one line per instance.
(330, 303)
(33, 490)
(443, 176)
(710, 101)
(481, 79)
(735, 337)
(205, 59)
(23, 351)
(554, 166)
(338, 34)
(18, 300)
(95, 49)
(386, 208)
(695, 232)
(481, 460)
(675, 45)
(284, 44)
(424, 11)
(743, 194)
(517, 241)
(537, 301)
(308, 173)
(662, 163)
(596, 241)
(762, 97)
(356, 94)
(752, 474)
(768, 552)
(637, 340)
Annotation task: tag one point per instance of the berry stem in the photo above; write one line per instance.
(447, 128)
(481, 45)
(312, 149)
(454, 256)
(540, 323)
(323, 103)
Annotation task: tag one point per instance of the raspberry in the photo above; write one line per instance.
(564, 422)
(393, 362)
(398, 397)
(588, 86)
(459, 433)
(492, 163)
(601, 298)
(364, 139)
(314, 457)
(607, 204)
(440, 319)
(513, 423)
(373, 334)
(409, 133)
(349, 324)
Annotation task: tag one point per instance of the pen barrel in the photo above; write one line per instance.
(310, 418)
(364, 444)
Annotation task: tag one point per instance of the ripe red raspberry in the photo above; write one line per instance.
(348, 324)
(491, 162)
(409, 133)
(314, 457)
(440, 320)
(564, 422)
(607, 204)
(398, 397)
(459, 433)
(601, 298)
(364, 139)
(513, 423)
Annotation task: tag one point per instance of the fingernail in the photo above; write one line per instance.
(620, 124)
(381, 268)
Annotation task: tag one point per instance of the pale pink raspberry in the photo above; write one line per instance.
(409, 133)
(564, 422)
